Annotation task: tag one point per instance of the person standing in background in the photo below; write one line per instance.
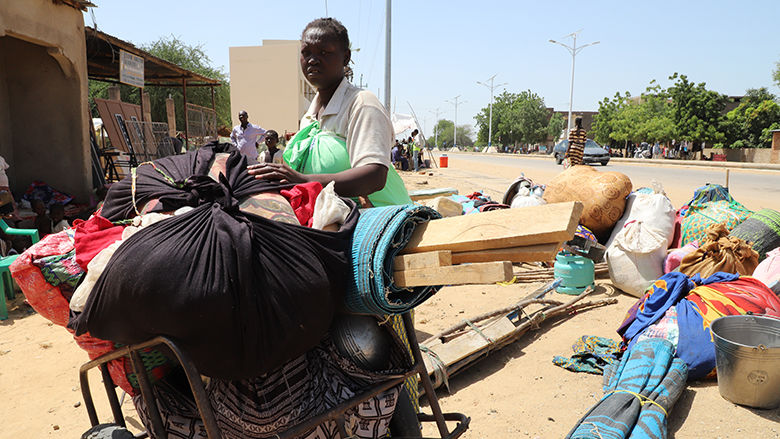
(272, 154)
(245, 136)
(577, 138)
(414, 144)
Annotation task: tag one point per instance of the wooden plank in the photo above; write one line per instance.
(531, 253)
(423, 194)
(461, 347)
(482, 273)
(545, 224)
(441, 258)
(447, 207)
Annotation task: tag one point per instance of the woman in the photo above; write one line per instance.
(345, 135)
(577, 139)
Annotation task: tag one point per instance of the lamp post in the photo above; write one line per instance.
(435, 131)
(490, 118)
(574, 50)
(455, 122)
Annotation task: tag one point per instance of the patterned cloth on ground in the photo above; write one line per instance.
(639, 392)
(591, 355)
(39, 190)
(262, 407)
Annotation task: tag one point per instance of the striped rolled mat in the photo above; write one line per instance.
(761, 230)
(381, 233)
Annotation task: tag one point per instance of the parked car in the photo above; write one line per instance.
(593, 153)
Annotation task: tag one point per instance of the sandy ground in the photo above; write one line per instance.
(515, 392)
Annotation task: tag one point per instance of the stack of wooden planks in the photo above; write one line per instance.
(480, 248)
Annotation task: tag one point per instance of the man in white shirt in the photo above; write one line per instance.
(245, 136)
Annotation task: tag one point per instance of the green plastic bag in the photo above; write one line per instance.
(313, 151)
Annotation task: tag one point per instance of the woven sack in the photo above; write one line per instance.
(762, 230)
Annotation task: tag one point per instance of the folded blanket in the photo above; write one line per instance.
(381, 233)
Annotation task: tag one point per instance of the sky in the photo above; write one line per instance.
(440, 49)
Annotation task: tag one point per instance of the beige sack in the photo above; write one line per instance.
(603, 195)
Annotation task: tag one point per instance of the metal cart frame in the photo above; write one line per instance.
(207, 414)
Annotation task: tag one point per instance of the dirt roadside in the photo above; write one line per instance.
(515, 392)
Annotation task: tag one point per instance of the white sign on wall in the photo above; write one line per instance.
(131, 69)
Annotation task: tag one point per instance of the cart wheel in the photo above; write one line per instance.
(107, 431)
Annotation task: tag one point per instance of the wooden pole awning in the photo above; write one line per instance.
(103, 63)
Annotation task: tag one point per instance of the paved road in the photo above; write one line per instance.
(756, 189)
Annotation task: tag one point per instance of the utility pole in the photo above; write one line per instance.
(455, 122)
(574, 50)
(490, 118)
(388, 13)
(435, 125)
(361, 85)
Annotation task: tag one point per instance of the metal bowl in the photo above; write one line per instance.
(362, 340)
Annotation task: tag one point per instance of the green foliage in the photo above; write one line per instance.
(192, 58)
(696, 111)
(776, 74)
(517, 118)
(605, 122)
(752, 121)
(555, 126)
(444, 128)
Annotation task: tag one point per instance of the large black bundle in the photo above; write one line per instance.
(241, 294)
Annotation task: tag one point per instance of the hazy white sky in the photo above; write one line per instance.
(441, 48)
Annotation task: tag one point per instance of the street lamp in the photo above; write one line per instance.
(574, 50)
(435, 126)
(455, 122)
(490, 121)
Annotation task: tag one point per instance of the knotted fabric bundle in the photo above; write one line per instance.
(720, 252)
(241, 294)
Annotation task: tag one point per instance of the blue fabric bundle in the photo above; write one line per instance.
(381, 233)
(639, 392)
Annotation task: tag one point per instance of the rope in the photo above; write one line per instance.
(642, 399)
(134, 178)
(440, 375)
(479, 331)
(509, 282)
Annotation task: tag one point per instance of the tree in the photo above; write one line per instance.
(517, 118)
(555, 125)
(696, 112)
(444, 129)
(192, 58)
(776, 74)
(604, 123)
(750, 123)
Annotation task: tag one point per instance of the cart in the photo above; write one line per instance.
(337, 414)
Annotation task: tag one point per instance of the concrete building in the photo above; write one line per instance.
(43, 88)
(267, 82)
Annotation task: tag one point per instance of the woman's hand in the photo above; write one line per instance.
(276, 171)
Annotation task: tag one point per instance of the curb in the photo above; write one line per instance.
(700, 163)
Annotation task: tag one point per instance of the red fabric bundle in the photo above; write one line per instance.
(302, 198)
(92, 236)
